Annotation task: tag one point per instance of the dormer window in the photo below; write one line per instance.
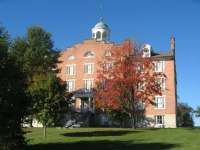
(89, 54)
(146, 51)
(108, 53)
(71, 57)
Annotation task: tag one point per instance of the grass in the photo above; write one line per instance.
(114, 139)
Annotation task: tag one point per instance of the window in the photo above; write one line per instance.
(146, 52)
(89, 54)
(93, 35)
(159, 119)
(108, 66)
(104, 35)
(139, 68)
(108, 53)
(88, 84)
(159, 102)
(71, 69)
(159, 66)
(70, 85)
(71, 57)
(98, 35)
(139, 105)
(89, 68)
(162, 83)
(141, 86)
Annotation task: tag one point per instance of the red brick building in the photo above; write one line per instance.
(79, 65)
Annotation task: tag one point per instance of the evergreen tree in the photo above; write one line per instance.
(13, 100)
(35, 52)
(39, 60)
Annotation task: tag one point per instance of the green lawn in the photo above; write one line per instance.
(114, 139)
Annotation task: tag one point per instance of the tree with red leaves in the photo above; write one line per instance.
(126, 81)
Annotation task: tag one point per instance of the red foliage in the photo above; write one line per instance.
(130, 79)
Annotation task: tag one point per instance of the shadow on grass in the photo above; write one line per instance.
(99, 133)
(103, 145)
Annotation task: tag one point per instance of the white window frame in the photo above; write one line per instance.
(159, 66)
(71, 72)
(146, 52)
(73, 85)
(162, 83)
(108, 65)
(162, 119)
(86, 87)
(108, 53)
(141, 86)
(157, 105)
(71, 57)
(87, 71)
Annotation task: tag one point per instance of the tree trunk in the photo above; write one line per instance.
(132, 121)
(31, 121)
(4, 146)
(45, 131)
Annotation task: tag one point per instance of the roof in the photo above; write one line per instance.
(101, 25)
(168, 54)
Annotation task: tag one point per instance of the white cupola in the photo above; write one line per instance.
(101, 31)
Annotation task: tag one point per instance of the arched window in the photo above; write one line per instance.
(104, 35)
(98, 35)
(89, 54)
(93, 35)
(108, 53)
(146, 52)
(71, 57)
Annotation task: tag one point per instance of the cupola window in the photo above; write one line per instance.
(104, 35)
(98, 36)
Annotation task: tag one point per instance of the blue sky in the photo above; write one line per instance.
(147, 21)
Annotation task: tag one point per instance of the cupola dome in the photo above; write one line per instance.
(101, 31)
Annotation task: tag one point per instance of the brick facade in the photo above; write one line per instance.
(91, 52)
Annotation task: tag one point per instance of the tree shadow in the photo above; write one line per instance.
(103, 145)
(99, 133)
(152, 129)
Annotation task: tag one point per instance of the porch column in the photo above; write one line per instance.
(89, 103)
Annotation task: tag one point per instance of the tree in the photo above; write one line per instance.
(197, 111)
(13, 100)
(35, 54)
(126, 81)
(184, 115)
(50, 99)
